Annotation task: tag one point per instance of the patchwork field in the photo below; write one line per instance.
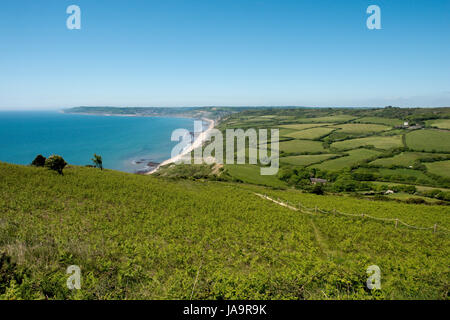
(305, 160)
(440, 123)
(360, 128)
(354, 156)
(429, 140)
(310, 134)
(440, 168)
(302, 146)
(385, 143)
(302, 126)
(406, 159)
(378, 120)
(408, 175)
(252, 174)
(336, 118)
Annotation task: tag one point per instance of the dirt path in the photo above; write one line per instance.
(321, 242)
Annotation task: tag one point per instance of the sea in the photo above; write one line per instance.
(126, 143)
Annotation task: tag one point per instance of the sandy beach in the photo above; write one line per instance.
(197, 143)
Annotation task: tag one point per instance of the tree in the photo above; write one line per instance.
(39, 161)
(98, 162)
(56, 163)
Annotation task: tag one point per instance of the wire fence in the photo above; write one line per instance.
(315, 212)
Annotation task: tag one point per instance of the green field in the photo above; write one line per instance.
(302, 126)
(306, 160)
(440, 168)
(386, 142)
(334, 118)
(354, 156)
(301, 146)
(429, 140)
(141, 237)
(252, 174)
(405, 159)
(361, 128)
(441, 123)
(378, 120)
(310, 134)
(419, 188)
(410, 175)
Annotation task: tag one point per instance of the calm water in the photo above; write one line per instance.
(123, 142)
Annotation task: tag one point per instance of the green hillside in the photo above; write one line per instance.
(141, 237)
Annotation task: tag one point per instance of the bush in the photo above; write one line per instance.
(317, 189)
(39, 161)
(55, 163)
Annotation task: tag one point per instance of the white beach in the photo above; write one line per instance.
(198, 142)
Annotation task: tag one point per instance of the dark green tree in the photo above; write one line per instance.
(55, 163)
(39, 161)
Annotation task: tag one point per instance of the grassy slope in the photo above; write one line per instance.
(354, 156)
(429, 140)
(143, 237)
(440, 168)
(405, 159)
(377, 142)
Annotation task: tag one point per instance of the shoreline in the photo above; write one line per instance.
(198, 142)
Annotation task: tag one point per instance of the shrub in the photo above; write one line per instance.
(55, 163)
(98, 162)
(39, 161)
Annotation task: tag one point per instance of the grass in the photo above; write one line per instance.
(391, 174)
(301, 146)
(302, 126)
(360, 128)
(441, 123)
(406, 196)
(440, 168)
(333, 118)
(141, 237)
(419, 188)
(310, 134)
(387, 142)
(429, 140)
(378, 120)
(405, 159)
(252, 174)
(305, 160)
(353, 157)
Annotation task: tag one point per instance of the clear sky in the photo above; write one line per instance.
(224, 52)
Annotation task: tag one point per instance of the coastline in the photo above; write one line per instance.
(198, 142)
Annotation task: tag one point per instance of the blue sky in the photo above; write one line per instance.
(227, 52)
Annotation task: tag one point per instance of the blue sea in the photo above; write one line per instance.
(125, 143)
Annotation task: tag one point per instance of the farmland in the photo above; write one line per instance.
(360, 128)
(310, 134)
(353, 157)
(441, 123)
(406, 159)
(440, 168)
(301, 146)
(305, 160)
(377, 142)
(429, 140)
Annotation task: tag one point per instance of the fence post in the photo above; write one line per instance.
(435, 228)
(396, 222)
(315, 209)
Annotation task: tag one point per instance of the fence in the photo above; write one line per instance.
(315, 211)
